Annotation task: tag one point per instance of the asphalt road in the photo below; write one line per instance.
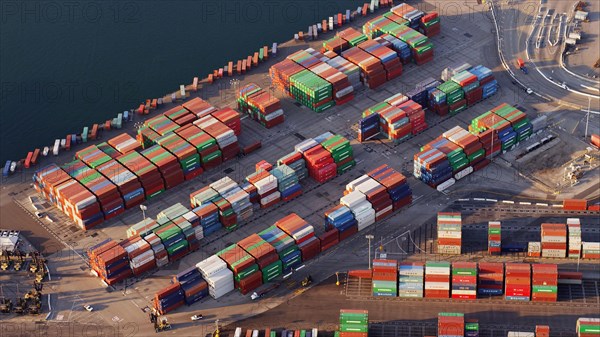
(519, 29)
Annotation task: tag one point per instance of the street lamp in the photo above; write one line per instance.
(369, 237)
(143, 208)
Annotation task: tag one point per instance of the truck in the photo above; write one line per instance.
(521, 65)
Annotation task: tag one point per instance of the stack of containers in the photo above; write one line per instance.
(246, 273)
(109, 261)
(230, 118)
(105, 191)
(265, 255)
(124, 143)
(449, 229)
(342, 89)
(385, 278)
(353, 36)
(179, 215)
(432, 167)
(590, 250)
(172, 238)
(199, 107)
(167, 165)
(284, 245)
(464, 280)
(409, 13)
(491, 143)
(368, 127)
(437, 279)
(373, 73)
(375, 27)
(518, 120)
(544, 283)
(387, 57)
(160, 253)
(395, 124)
(347, 68)
(142, 228)
(147, 173)
(376, 194)
(235, 196)
(109, 150)
(470, 86)
(161, 124)
(310, 248)
(287, 182)
(185, 153)
(396, 185)
(146, 136)
(321, 166)
(554, 240)
(574, 227)
(341, 151)
(494, 237)
(588, 327)
(311, 90)
(454, 97)
(266, 186)
(542, 331)
(411, 279)
(179, 115)
(430, 24)
(396, 44)
(469, 143)
(92, 156)
(421, 47)
(260, 105)
(517, 281)
(223, 134)
(336, 44)
(296, 162)
(341, 220)
(217, 275)
(491, 278)
(281, 73)
(487, 82)
(205, 144)
(360, 207)
(416, 115)
(208, 215)
(79, 204)
(471, 328)
(329, 239)
(296, 227)
(193, 285)
(451, 324)
(354, 323)
(140, 254)
(169, 299)
(500, 126)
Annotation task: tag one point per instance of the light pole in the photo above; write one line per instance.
(587, 120)
(143, 208)
(369, 237)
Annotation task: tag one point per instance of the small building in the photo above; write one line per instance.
(9, 240)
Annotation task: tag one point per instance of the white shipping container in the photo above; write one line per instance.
(437, 271)
(445, 249)
(554, 239)
(352, 199)
(437, 285)
(520, 334)
(464, 292)
(270, 198)
(450, 234)
(56, 147)
(591, 245)
(351, 186)
(554, 253)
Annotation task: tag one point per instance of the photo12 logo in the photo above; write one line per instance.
(61, 12)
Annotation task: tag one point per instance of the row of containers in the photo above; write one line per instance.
(107, 178)
(459, 152)
(260, 105)
(454, 324)
(222, 204)
(588, 327)
(264, 256)
(322, 79)
(353, 323)
(340, 19)
(563, 241)
(449, 233)
(403, 115)
(466, 280)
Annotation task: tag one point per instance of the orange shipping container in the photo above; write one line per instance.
(575, 204)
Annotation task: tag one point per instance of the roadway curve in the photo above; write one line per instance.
(518, 31)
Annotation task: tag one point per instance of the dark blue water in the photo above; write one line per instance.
(68, 64)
